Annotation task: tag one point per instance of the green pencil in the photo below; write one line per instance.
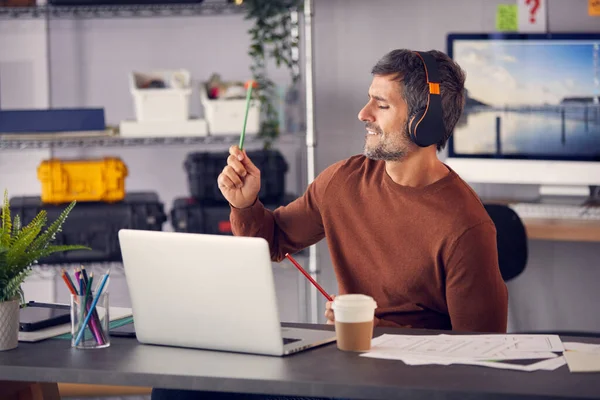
(250, 84)
(85, 275)
(88, 291)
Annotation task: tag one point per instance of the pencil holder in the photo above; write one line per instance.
(90, 321)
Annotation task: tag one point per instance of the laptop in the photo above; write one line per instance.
(205, 291)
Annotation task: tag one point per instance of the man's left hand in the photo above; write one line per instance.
(329, 311)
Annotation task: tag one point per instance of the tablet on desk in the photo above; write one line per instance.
(127, 330)
(34, 316)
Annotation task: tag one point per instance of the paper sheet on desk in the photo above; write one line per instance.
(582, 357)
(35, 336)
(484, 350)
(584, 347)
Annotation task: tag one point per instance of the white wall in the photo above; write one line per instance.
(23, 64)
(90, 60)
(23, 83)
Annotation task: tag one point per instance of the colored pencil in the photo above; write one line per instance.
(68, 282)
(85, 306)
(248, 98)
(84, 274)
(95, 321)
(92, 308)
(88, 286)
(79, 281)
(323, 292)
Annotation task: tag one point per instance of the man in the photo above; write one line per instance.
(401, 226)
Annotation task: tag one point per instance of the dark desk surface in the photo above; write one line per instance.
(323, 371)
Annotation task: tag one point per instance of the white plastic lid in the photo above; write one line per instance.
(354, 301)
(354, 308)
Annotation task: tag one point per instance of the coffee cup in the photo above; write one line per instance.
(354, 314)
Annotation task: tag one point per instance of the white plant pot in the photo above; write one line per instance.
(9, 325)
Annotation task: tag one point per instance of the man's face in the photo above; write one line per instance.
(385, 116)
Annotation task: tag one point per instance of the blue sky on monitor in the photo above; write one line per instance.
(527, 73)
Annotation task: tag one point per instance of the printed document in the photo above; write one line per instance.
(520, 352)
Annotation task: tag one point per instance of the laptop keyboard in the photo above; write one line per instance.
(288, 340)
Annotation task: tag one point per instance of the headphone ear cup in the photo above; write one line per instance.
(412, 127)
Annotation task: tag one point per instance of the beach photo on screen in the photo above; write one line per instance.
(530, 98)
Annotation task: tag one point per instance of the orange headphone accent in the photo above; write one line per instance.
(427, 127)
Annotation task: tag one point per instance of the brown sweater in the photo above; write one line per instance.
(427, 255)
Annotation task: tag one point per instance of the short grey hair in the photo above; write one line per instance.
(408, 70)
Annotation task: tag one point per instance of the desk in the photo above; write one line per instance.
(562, 230)
(323, 371)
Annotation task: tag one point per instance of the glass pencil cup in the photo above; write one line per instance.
(90, 321)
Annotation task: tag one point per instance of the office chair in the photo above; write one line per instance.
(511, 239)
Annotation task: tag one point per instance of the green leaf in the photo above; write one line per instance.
(271, 38)
(33, 257)
(50, 233)
(16, 225)
(22, 247)
(19, 248)
(38, 220)
(10, 289)
(6, 222)
(36, 224)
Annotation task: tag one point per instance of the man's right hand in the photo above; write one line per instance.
(240, 179)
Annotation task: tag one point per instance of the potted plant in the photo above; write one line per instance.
(20, 248)
(272, 38)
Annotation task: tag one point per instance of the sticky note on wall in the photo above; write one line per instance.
(594, 8)
(507, 18)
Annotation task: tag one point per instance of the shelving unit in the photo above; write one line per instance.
(22, 12)
(206, 8)
(118, 141)
(125, 11)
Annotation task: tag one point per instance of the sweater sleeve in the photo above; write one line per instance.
(383, 323)
(289, 228)
(476, 294)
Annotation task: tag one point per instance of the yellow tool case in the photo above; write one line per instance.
(82, 180)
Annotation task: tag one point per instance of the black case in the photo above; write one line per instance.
(118, 2)
(95, 224)
(189, 215)
(203, 168)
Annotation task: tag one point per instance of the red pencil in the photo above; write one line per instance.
(309, 277)
(68, 283)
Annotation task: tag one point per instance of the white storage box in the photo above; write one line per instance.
(171, 103)
(226, 117)
(191, 127)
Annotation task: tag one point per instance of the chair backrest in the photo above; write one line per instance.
(511, 239)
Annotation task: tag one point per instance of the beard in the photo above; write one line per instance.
(386, 146)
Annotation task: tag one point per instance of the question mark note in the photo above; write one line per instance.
(532, 15)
